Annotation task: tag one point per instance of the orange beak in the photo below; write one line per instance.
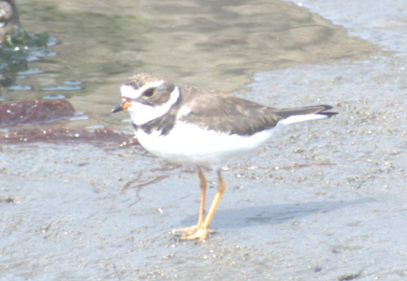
(121, 106)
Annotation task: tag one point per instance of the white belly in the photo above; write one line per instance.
(189, 144)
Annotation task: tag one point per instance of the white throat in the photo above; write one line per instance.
(142, 114)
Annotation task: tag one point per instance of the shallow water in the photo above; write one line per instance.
(196, 42)
(323, 201)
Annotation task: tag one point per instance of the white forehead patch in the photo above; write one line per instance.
(142, 113)
(129, 92)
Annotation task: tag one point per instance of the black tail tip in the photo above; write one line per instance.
(328, 114)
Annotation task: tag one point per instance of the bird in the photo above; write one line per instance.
(206, 128)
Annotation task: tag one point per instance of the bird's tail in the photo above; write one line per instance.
(300, 114)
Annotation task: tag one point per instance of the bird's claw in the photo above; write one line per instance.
(194, 232)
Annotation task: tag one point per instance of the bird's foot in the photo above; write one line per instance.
(186, 230)
(199, 233)
(194, 232)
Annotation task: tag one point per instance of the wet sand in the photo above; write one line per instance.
(323, 201)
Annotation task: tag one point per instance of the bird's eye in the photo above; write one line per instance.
(149, 92)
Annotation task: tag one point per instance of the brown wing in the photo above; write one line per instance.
(221, 112)
(228, 113)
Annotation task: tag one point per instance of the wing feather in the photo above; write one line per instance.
(227, 113)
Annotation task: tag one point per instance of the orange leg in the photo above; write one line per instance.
(203, 184)
(202, 229)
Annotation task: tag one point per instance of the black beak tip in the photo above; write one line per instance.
(117, 108)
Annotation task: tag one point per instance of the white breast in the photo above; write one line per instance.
(189, 144)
